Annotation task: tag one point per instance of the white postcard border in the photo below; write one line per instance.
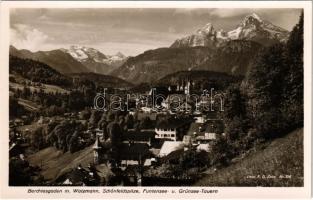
(223, 192)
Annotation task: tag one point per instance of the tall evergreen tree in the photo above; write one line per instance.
(266, 85)
(234, 113)
(293, 106)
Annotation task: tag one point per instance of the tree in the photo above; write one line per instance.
(19, 172)
(102, 122)
(122, 123)
(15, 109)
(73, 145)
(26, 92)
(94, 118)
(145, 123)
(110, 116)
(265, 90)
(221, 153)
(37, 139)
(234, 114)
(85, 114)
(61, 135)
(115, 135)
(293, 94)
(129, 121)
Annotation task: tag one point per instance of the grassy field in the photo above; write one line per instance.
(54, 163)
(46, 88)
(278, 164)
(29, 105)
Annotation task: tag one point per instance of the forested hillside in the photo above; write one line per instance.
(37, 71)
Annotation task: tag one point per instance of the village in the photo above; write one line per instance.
(171, 131)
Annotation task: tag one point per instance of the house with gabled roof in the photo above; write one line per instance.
(203, 133)
(172, 129)
(139, 136)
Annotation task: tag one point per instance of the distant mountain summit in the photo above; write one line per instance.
(82, 54)
(95, 60)
(119, 55)
(252, 28)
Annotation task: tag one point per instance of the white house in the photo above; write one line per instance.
(200, 119)
(166, 133)
(146, 109)
(204, 147)
(171, 129)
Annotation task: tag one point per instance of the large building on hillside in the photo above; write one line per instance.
(172, 129)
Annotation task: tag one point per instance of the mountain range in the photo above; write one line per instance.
(76, 59)
(57, 59)
(207, 49)
(252, 28)
(233, 57)
(94, 60)
(40, 72)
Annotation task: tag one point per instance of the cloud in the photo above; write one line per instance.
(229, 12)
(128, 48)
(44, 18)
(171, 30)
(26, 37)
(184, 11)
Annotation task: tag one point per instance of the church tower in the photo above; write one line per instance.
(96, 148)
(187, 87)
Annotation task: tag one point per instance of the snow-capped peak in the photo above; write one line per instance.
(90, 56)
(221, 34)
(208, 28)
(252, 19)
(82, 53)
(120, 55)
(77, 52)
(252, 27)
(255, 16)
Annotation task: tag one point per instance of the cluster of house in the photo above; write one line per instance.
(145, 148)
(171, 137)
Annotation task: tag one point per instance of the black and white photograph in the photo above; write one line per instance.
(154, 97)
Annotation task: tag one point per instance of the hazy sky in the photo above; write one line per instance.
(130, 31)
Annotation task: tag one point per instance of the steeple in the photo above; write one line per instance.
(187, 86)
(96, 147)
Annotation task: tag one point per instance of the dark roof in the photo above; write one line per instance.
(196, 127)
(212, 115)
(77, 176)
(134, 151)
(152, 116)
(159, 142)
(132, 135)
(172, 123)
(200, 129)
(214, 126)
